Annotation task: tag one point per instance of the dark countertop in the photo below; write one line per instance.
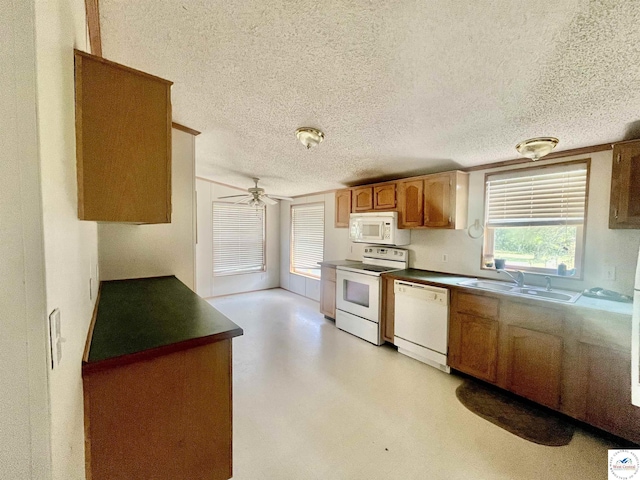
(337, 263)
(450, 280)
(148, 317)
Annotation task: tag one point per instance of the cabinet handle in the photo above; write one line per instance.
(618, 158)
(449, 219)
(615, 213)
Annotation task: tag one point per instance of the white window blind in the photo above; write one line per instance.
(545, 196)
(238, 239)
(307, 238)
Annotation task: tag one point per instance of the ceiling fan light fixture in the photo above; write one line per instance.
(536, 148)
(309, 137)
(256, 202)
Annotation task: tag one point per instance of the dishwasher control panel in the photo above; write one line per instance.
(424, 292)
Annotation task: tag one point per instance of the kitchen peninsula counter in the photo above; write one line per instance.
(157, 384)
(147, 317)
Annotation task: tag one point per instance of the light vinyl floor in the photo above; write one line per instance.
(313, 402)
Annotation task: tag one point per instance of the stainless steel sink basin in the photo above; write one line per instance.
(508, 288)
(489, 285)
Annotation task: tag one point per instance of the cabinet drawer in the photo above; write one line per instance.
(535, 318)
(607, 330)
(477, 305)
(328, 274)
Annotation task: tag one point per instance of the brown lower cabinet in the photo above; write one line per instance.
(534, 365)
(388, 308)
(576, 361)
(167, 417)
(328, 291)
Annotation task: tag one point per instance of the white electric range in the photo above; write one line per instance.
(358, 291)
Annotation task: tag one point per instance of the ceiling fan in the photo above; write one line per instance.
(256, 196)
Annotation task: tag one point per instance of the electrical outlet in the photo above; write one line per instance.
(609, 272)
(445, 257)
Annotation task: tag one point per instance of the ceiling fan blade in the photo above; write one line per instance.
(279, 197)
(233, 196)
(243, 200)
(267, 200)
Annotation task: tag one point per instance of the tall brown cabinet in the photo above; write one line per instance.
(123, 142)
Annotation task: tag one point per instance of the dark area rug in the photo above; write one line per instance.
(518, 416)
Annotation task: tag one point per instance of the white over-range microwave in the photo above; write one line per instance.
(377, 228)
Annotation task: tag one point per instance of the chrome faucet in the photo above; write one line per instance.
(519, 281)
(548, 279)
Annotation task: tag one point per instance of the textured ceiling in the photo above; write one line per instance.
(402, 87)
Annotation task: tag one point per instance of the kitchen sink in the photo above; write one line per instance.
(563, 296)
(489, 285)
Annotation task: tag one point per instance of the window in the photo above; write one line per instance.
(238, 239)
(307, 239)
(535, 219)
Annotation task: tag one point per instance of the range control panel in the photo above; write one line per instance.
(386, 253)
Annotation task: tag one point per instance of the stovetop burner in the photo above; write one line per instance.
(376, 268)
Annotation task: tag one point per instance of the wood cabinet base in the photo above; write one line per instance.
(575, 361)
(164, 418)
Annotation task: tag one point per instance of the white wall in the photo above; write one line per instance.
(336, 245)
(24, 402)
(136, 251)
(210, 286)
(70, 244)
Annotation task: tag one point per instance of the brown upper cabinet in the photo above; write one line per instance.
(384, 197)
(343, 208)
(123, 143)
(431, 201)
(362, 199)
(624, 209)
(435, 201)
(410, 203)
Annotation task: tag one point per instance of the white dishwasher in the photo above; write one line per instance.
(421, 327)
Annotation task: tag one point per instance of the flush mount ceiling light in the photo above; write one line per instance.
(536, 148)
(309, 137)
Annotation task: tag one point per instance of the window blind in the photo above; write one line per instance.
(307, 237)
(545, 196)
(238, 239)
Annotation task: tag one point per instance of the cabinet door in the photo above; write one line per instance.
(624, 210)
(328, 298)
(123, 143)
(534, 365)
(607, 373)
(410, 204)
(362, 199)
(328, 291)
(473, 345)
(388, 309)
(384, 197)
(437, 201)
(343, 208)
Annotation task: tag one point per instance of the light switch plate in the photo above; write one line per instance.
(55, 337)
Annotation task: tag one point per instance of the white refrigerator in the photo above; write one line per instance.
(635, 341)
